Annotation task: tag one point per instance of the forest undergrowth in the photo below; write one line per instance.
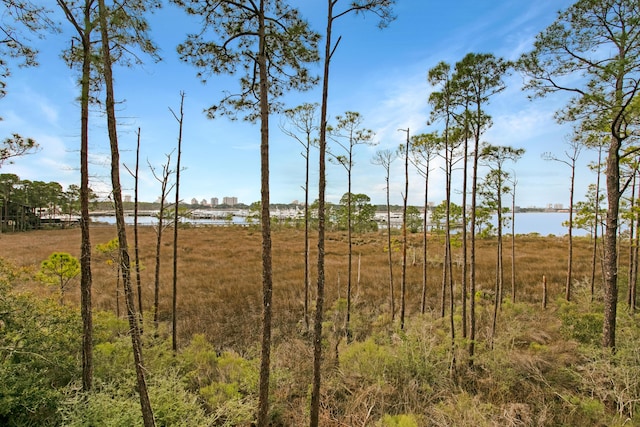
(544, 367)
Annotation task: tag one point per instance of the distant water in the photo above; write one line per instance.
(543, 223)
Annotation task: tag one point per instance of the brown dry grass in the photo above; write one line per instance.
(219, 274)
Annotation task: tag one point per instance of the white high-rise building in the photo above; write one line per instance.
(230, 201)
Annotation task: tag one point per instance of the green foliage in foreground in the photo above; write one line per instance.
(39, 353)
(546, 368)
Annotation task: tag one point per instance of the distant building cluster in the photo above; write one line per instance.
(213, 202)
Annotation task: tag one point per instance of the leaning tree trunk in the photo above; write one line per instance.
(145, 403)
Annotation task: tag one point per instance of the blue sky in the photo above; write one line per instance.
(379, 73)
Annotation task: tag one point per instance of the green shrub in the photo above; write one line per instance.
(39, 355)
(582, 326)
(398, 421)
(114, 405)
(198, 362)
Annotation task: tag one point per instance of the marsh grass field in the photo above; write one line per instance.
(219, 273)
(545, 366)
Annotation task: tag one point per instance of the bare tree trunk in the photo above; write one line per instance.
(465, 255)
(135, 233)
(306, 237)
(392, 303)
(350, 251)
(164, 185)
(513, 242)
(634, 275)
(156, 282)
(447, 280)
(425, 265)
(145, 403)
(405, 197)
(174, 302)
(497, 303)
(472, 254)
(632, 232)
(570, 256)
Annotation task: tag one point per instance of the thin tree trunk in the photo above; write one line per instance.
(156, 282)
(513, 243)
(135, 233)
(632, 224)
(447, 266)
(145, 403)
(498, 289)
(464, 236)
(595, 227)
(350, 251)
(322, 146)
(405, 197)
(634, 276)
(391, 296)
(472, 254)
(423, 302)
(570, 260)
(500, 254)
(446, 271)
(118, 269)
(306, 237)
(174, 302)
